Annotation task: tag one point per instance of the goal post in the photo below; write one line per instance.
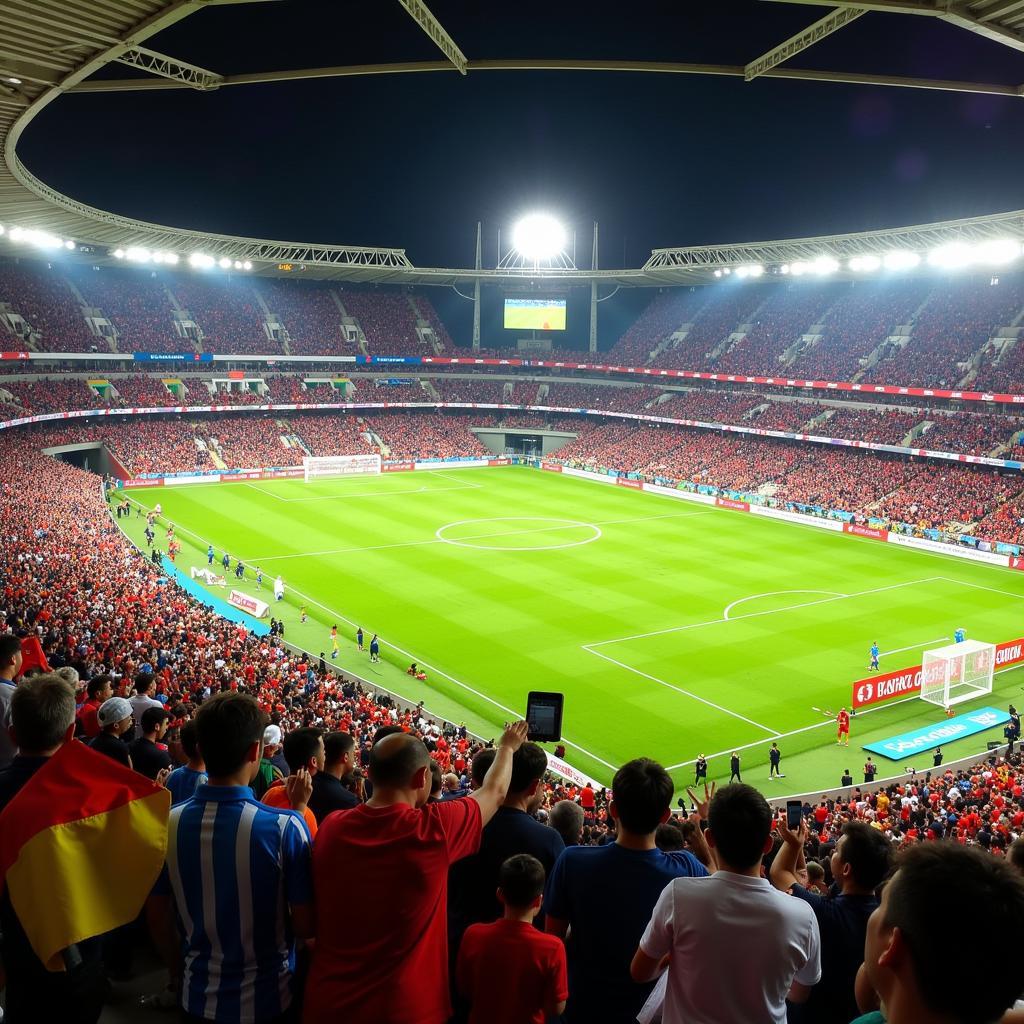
(959, 672)
(319, 467)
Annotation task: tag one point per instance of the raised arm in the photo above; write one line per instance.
(790, 857)
(495, 787)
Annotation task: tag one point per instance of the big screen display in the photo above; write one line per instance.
(535, 314)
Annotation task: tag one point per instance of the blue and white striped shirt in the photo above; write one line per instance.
(232, 866)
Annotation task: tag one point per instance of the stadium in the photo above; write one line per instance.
(538, 547)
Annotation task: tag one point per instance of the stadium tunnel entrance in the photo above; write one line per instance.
(92, 456)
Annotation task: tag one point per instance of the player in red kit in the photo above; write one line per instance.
(843, 721)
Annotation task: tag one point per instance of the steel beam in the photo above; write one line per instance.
(423, 17)
(802, 40)
(170, 67)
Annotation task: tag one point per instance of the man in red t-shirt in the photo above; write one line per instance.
(99, 690)
(843, 727)
(380, 874)
(510, 972)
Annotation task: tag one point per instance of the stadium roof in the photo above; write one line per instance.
(52, 47)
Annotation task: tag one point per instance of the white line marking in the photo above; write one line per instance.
(434, 540)
(366, 494)
(818, 725)
(913, 647)
(978, 586)
(754, 615)
(775, 593)
(686, 693)
(569, 524)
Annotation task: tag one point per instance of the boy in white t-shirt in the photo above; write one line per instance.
(735, 948)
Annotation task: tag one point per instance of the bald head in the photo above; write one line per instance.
(395, 759)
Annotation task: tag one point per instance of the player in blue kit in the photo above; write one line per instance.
(959, 636)
(874, 656)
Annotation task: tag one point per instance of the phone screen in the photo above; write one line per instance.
(794, 814)
(544, 715)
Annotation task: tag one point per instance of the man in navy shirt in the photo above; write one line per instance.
(238, 874)
(605, 894)
(860, 862)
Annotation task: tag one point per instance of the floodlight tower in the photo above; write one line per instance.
(538, 243)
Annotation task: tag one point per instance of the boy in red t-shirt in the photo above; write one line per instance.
(510, 972)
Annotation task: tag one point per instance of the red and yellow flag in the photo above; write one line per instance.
(81, 846)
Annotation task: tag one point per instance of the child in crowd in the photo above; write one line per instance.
(510, 972)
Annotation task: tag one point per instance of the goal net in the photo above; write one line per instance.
(950, 675)
(321, 466)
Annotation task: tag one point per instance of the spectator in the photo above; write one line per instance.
(911, 934)
(239, 921)
(511, 831)
(10, 669)
(145, 693)
(603, 933)
(183, 782)
(847, 779)
(98, 689)
(860, 862)
(566, 818)
(304, 752)
(736, 947)
(385, 865)
(148, 753)
(329, 791)
(43, 720)
(510, 972)
(115, 720)
(268, 772)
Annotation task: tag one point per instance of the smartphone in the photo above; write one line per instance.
(794, 814)
(544, 715)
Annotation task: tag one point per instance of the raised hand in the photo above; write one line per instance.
(514, 736)
(299, 788)
(702, 805)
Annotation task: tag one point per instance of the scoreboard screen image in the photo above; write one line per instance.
(535, 314)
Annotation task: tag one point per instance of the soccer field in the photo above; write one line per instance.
(672, 628)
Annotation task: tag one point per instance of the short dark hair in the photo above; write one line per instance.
(97, 683)
(300, 745)
(740, 821)
(42, 711)
(989, 900)
(669, 836)
(386, 730)
(642, 792)
(482, 762)
(868, 852)
(152, 718)
(436, 778)
(187, 735)
(529, 763)
(521, 880)
(9, 647)
(143, 681)
(227, 725)
(336, 746)
(394, 762)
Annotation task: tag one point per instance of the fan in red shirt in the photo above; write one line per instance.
(380, 873)
(510, 972)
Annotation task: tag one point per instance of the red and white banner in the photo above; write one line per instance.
(636, 485)
(398, 467)
(551, 467)
(739, 506)
(874, 532)
(499, 462)
(252, 605)
(906, 682)
(1017, 563)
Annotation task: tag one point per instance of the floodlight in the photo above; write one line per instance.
(171, 257)
(118, 254)
(138, 254)
(538, 236)
(14, 81)
(750, 270)
(998, 251)
(201, 260)
(69, 245)
(865, 263)
(224, 263)
(718, 273)
(901, 259)
(952, 256)
(247, 265)
(1, 229)
(825, 265)
(784, 269)
(799, 267)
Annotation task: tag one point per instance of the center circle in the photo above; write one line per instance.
(486, 534)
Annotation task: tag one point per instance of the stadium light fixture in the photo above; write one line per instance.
(138, 254)
(750, 270)
(953, 256)
(865, 263)
(799, 267)
(118, 254)
(901, 259)
(201, 261)
(14, 81)
(998, 251)
(1, 229)
(224, 263)
(247, 265)
(825, 265)
(538, 237)
(171, 258)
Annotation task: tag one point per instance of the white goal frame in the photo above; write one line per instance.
(320, 467)
(959, 672)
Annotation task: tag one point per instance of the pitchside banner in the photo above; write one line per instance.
(958, 728)
(907, 681)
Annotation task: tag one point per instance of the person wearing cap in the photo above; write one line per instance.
(115, 719)
(148, 753)
(268, 773)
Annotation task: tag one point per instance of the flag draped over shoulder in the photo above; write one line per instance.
(81, 846)
(32, 655)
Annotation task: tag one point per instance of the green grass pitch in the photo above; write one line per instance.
(672, 628)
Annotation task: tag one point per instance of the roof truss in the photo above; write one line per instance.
(423, 17)
(802, 40)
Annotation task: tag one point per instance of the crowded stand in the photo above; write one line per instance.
(119, 652)
(51, 394)
(136, 304)
(427, 435)
(310, 316)
(247, 441)
(46, 303)
(334, 435)
(664, 315)
(388, 320)
(226, 312)
(888, 426)
(789, 416)
(970, 433)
